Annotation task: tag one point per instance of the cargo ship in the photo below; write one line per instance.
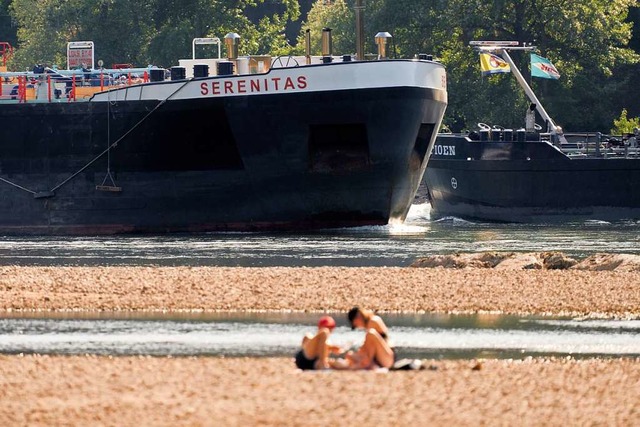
(235, 143)
(533, 174)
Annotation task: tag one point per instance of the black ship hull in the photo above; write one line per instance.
(529, 181)
(326, 158)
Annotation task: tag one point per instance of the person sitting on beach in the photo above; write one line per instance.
(376, 351)
(360, 318)
(315, 350)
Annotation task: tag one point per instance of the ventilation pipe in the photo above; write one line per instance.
(232, 41)
(307, 46)
(327, 45)
(382, 40)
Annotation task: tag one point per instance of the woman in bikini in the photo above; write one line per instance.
(376, 350)
(315, 350)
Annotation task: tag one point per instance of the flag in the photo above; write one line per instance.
(543, 68)
(493, 64)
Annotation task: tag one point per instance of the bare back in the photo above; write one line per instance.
(376, 323)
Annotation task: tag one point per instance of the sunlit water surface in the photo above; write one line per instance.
(279, 334)
(393, 245)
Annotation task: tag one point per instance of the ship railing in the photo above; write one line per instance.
(596, 144)
(51, 85)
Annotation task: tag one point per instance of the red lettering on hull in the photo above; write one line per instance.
(260, 85)
(289, 84)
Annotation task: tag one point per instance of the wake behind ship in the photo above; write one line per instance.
(339, 142)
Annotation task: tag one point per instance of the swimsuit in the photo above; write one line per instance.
(382, 334)
(303, 363)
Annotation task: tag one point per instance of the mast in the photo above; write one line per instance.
(502, 47)
(528, 91)
(359, 9)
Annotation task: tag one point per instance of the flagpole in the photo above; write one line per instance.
(551, 125)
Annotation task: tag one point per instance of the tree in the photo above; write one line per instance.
(118, 29)
(337, 15)
(8, 31)
(586, 39)
(152, 32)
(625, 125)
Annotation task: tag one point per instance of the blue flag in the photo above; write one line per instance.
(543, 68)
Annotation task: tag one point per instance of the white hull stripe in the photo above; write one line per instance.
(346, 76)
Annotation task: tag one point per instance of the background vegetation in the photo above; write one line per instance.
(592, 42)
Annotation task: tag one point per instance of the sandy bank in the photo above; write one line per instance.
(40, 390)
(575, 292)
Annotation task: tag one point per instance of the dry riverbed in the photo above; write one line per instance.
(574, 292)
(132, 391)
(128, 391)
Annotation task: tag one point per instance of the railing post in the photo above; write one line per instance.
(586, 144)
(22, 89)
(73, 88)
(49, 87)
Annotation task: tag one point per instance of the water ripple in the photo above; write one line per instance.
(393, 245)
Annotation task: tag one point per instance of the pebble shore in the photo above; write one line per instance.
(556, 292)
(132, 391)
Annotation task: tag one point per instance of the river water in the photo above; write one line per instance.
(438, 336)
(394, 245)
(279, 334)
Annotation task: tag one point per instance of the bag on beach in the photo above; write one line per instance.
(407, 365)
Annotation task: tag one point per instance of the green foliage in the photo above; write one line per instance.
(623, 124)
(149, 32)
(337, 15)
(8, 32)
(586, 39)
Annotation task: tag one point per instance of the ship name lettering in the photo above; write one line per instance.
(444, 150)
(257, 85)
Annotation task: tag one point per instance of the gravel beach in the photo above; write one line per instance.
(572, 292)
(127, 391)
(132, 391)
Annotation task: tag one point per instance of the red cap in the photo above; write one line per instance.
(326, 322)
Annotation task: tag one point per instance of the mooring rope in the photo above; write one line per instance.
(13, 184)
(109, 147)
(134, 127)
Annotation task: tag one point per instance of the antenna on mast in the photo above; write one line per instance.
(493, 43)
